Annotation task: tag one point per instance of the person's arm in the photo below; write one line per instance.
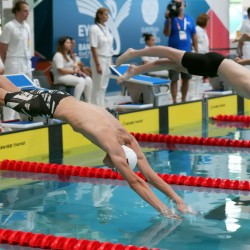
(167, 27)
(96, 60)
(242, 61)
(7, 84)
(239, 49)
(243, 38)
(3, 51)
(195, 42)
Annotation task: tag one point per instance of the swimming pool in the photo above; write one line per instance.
(109, 211)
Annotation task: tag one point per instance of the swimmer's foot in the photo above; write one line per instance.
(126, 56)
(128, 74)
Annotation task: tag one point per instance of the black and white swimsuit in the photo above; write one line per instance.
(38, 102)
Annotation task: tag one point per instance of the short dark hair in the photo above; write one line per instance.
(18, 6)
(248, 11)
(202, 20)
(147, 36)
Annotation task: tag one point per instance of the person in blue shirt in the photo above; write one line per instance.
(181, 32)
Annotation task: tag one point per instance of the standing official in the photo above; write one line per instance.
(101, 43)
(15, 47)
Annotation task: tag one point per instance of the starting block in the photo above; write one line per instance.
(143, 89)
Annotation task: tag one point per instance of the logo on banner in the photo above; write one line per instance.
(115, 19)
(150, 10)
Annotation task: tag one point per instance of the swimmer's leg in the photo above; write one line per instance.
(174, 55)
(158, 65)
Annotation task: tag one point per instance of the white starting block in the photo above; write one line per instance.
(143, 89)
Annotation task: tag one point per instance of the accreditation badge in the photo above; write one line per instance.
(182, 35)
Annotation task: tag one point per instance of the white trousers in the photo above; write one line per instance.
(18, 65)
(15, 65)
(100, 81)
(82, 85)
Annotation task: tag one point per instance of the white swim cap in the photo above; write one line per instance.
(131, 156)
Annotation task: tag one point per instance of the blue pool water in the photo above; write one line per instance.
(108, 210)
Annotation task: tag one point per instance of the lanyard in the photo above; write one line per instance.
(179, 26)
(102, 30)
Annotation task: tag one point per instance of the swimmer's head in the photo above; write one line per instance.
(131, 156)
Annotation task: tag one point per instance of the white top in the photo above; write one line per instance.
(17, 36)
(149, 58)
(245, 28)
(101, 39)
(1, 64)
(203, 41)
(58, 62)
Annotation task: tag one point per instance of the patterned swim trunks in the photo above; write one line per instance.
(38, 102)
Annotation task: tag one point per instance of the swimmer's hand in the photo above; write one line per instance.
(183, 208)
(167, 213)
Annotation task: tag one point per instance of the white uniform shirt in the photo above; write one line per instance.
(245, 28)
(1, 64)
(59, 62)
(101, 39)
(17, 36)
(203, 41)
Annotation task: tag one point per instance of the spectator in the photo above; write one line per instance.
(180, 29)
(67, 72)
(244, 46)
(101, 43)
(202, 37)
(84, 69)
(149, 41)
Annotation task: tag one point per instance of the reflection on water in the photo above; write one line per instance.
(111, 211)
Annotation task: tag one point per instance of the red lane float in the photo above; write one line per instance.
(175, 139)
(231, 118)
(64, 170)
(43, 241)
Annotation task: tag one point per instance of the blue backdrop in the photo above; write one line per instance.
(128, 20)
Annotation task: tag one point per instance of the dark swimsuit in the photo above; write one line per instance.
(39, 102)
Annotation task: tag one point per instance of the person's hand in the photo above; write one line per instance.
(167, 14)
(99, 69)
(182, 207)
(244, 37)
(167, 213)
(237, 59)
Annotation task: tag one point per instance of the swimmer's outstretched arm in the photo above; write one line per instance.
(7, 84)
